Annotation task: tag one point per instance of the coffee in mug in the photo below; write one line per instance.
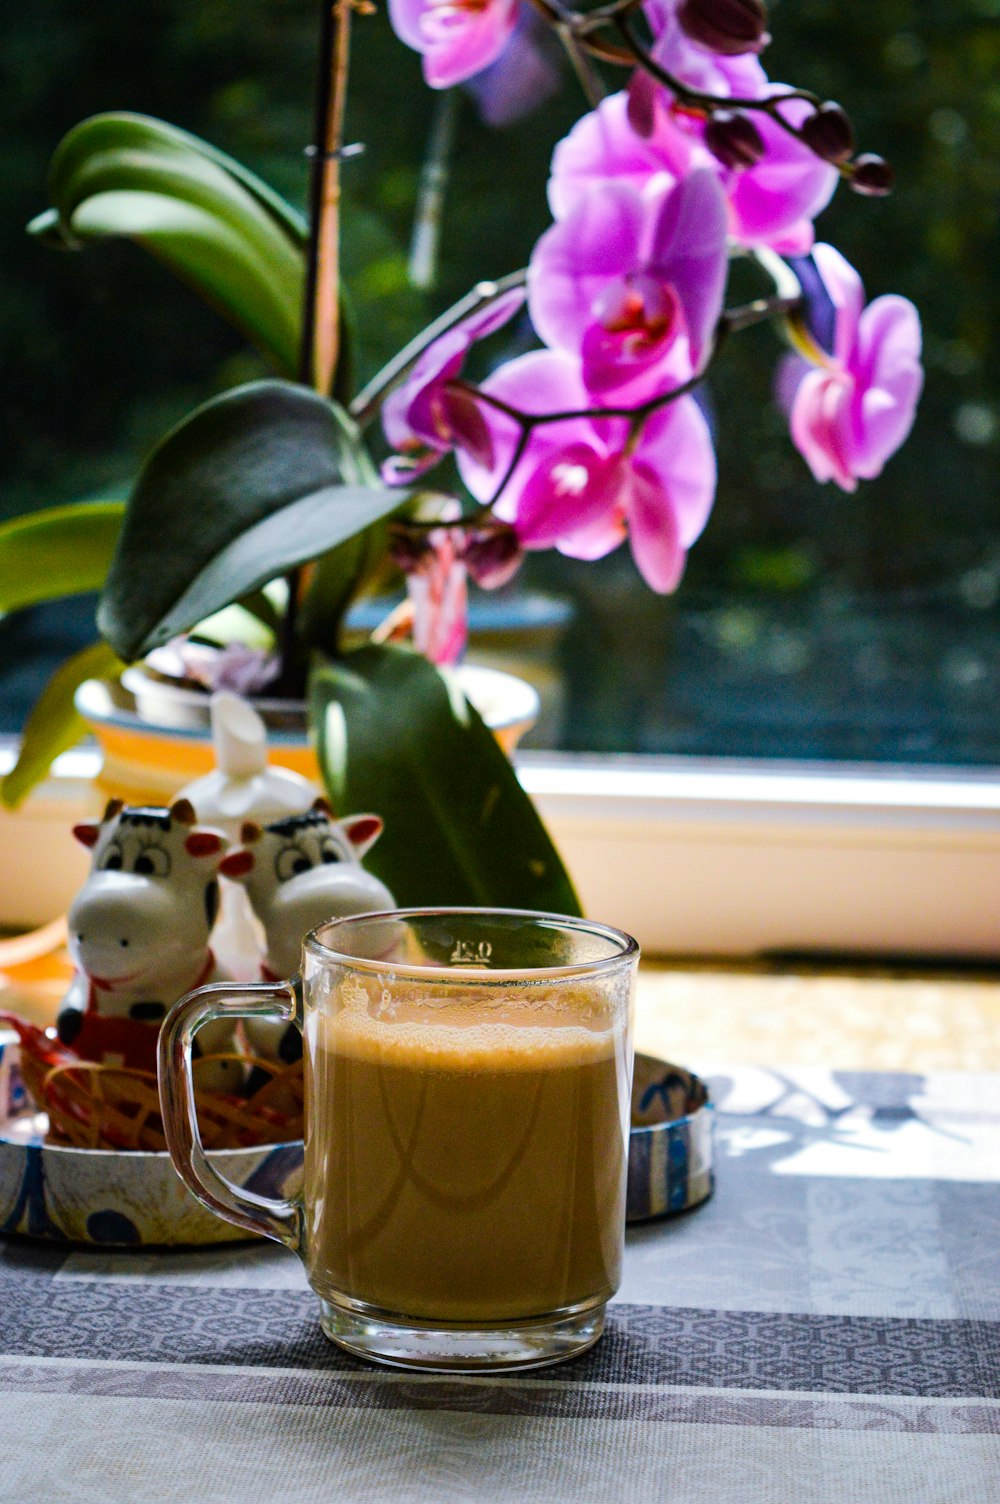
(467, 1124)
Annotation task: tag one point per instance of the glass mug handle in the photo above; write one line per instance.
(274, 1217)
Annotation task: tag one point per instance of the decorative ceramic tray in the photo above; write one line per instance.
(135, 1199)
(114, 1199)
(671, 1147)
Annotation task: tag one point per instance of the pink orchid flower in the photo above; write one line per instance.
(580, 486)
(426, 417)
(740, 76)
(775, 202)
(770, 204)
(633, 283)
(850, 416)
(526, 73)
(458, 38)
(602, 146)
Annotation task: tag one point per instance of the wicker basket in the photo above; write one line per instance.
(108, 1107)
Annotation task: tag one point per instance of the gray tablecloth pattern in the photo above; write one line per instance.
(826, 1330)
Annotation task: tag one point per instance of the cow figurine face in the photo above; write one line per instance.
(142, 920)
(303, 870)
(138, 933)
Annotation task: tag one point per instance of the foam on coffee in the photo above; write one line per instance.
(511, 1032)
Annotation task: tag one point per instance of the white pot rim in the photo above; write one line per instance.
(503, 700)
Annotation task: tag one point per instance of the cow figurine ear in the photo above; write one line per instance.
(362, 831)
(182, 811)
(88, 833)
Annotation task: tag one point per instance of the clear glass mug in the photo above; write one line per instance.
(467, 1104)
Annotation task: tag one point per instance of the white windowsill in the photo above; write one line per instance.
(695, 857)
(724, 858)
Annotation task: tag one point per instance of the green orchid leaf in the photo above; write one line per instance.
(121, 130)
(262, 606)
(210, 220)
(63, 551)
(397, 737)
(54, 724)
(250, 485)
(340, 573)
(230, 271)
(235, 624)
(337, 579)
(49, 230)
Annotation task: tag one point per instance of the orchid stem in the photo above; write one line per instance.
(768, 105)
(730, 322)
(759, 312)
(535, 420)
(320, 338)
(321, 311)
(587, 75)
(426, 239)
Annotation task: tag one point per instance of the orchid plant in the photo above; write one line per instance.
(687, 159)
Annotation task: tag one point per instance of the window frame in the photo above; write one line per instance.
(694, 856)
(739, 858)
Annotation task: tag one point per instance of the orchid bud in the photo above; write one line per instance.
(492, 555)
(871, 175)
(729, 27)
(829, 133)
(640, 103)
(409, 548)
(733, 139)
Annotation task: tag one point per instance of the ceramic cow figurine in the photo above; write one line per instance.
(139, 937)
(299, 872)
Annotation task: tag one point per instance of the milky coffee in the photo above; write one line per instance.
(465, 1161)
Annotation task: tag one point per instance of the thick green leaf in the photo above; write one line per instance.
(255, 482)
(397, 738)
(340, 573)
(206, 217)
(235, 624)
(49, 229)
(338, 578)
(54, 724)
(63, 551)
(222, 262)
(121, 130)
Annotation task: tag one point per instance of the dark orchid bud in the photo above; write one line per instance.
(829, 133)
(640, 103)
(733, 138)
(871, 175)
(492, 555)
(409, 548)
(730, 27)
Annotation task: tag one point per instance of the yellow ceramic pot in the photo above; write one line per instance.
(155, 738)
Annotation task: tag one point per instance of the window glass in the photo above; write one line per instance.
(810, 623)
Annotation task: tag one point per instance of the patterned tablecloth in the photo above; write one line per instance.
(826, 1330)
